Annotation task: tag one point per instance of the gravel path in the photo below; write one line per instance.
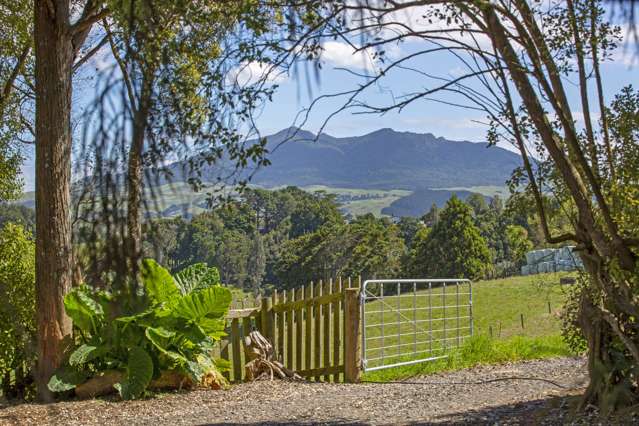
(440, 398)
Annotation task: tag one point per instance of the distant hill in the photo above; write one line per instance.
(383, 172)
(384, 159)
(420, 201)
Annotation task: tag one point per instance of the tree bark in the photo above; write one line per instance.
(53, 69)
(135, 175)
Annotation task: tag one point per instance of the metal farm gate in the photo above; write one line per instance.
(411, 321)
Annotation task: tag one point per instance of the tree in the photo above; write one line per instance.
(518, 243)
(57, 45)
(368, 247)
(61, 29)
(453, 248)
(526, 57)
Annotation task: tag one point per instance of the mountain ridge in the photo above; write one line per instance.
(382, 159)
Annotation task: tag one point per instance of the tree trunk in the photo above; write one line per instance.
(54, 58)
(135, 176)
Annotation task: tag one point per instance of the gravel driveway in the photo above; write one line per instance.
(440, 398)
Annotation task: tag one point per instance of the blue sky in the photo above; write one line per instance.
(425, 116)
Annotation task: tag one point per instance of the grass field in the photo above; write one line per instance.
(498, 307)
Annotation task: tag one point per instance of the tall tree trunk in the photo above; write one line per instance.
(135, 177)
(54, 58)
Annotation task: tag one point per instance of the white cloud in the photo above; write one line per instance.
(342, 55)
(253, 72)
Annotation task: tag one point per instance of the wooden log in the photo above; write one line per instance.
(103, 383)
(352, 355)
(259, 352)
(326, 313)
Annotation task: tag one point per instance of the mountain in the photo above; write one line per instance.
(384, 159)
(383, 172)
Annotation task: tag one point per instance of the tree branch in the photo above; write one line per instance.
(8, 85)
(90, 53)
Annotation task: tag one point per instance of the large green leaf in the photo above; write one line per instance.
(139, 374)
(158, 282)
(66, 379)
(86, 353)
(197, 276)
(85, 312)
(212, 302)
(160, 337)
(213, 327)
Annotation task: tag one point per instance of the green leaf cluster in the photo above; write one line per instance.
(175, 330)
(17, 292)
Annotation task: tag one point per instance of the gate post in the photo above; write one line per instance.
(352, 351)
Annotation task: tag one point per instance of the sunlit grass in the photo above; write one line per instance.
(480, 350)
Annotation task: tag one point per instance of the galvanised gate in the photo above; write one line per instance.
(409, 321)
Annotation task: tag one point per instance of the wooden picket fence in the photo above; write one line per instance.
(314, 330)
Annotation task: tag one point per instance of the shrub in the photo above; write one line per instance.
(175, 330)
(17, 310)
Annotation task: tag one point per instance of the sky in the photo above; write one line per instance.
(296, 92)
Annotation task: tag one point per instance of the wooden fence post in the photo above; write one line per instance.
(352, 355)
(267, 319)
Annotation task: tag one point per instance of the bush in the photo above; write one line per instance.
(17, 310)
(174, 330)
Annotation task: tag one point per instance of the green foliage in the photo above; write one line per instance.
(245, 237)
(518, 243)
(17, 292)
(196, 277)
(158, 282)
(172, 331)
(139, 372)
(370, 247)
(454, 247)
(18, 214)
(16, 62)
(570, 328)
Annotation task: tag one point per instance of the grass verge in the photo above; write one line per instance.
(480, 350)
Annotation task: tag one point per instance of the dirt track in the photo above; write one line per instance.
(442, 398)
